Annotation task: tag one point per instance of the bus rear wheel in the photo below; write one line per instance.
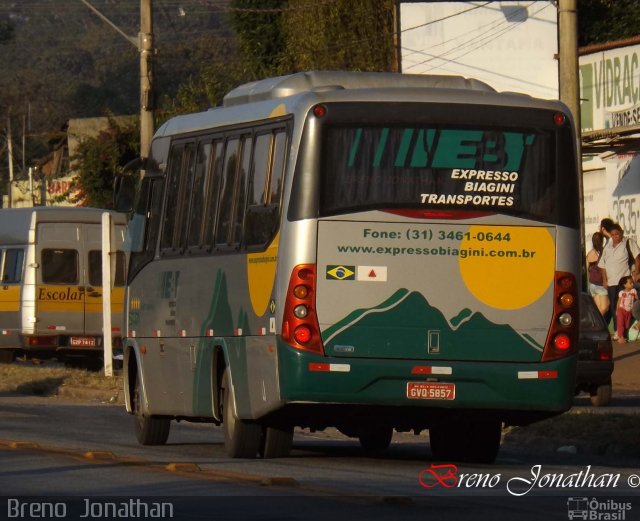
(276, 442)
(241, 438)
(466, 441)
(150, 430)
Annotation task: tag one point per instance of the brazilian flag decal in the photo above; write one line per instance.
(341, 272)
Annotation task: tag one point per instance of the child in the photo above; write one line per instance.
(627, 296)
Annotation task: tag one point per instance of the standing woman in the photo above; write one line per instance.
(596, 280)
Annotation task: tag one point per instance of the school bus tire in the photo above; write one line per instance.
(150, 430)
(241, 438)
(7, 356)
(466, 441)
(276, 442)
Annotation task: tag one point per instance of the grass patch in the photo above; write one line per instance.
(46, 380)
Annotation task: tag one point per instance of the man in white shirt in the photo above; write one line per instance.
(618, 261)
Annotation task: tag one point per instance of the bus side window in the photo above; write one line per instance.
(173, 227)
(225, 205)
(277, 170)
(12, 265)
(184, 197)
(59, 266)
(263, 210)
(240, 193)
(199, 196)
(213, 183)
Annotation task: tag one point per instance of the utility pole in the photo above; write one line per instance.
(569, 82)
(144, 44)
(10, 156)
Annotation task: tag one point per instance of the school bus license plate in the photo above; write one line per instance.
(82, 341)
(431, 391)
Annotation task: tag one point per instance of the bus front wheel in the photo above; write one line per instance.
(467, 441)
(150, 430)
(241, 438)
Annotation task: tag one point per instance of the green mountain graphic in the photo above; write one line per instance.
(407, 326)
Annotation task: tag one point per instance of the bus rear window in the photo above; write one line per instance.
(488, 169)
(59, 266)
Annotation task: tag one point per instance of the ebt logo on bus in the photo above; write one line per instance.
(507, 267)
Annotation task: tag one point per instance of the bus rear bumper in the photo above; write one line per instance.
(516, 392)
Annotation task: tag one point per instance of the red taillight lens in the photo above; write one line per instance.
(300, 324)
(562, 342)
(605, 351)
(319, 111)
(559, 118)
(302, 334)
(562, 339)
(42, 341)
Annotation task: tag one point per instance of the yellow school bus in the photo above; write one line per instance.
(51, 292)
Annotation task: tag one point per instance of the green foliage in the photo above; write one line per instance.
(258, 26)
(602, 21)
(340, 35)
(97, 162)
(279, 36)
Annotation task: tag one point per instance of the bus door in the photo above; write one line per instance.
(93, 287)
(60, 284)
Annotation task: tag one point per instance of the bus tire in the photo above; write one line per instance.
(276, 442)
(150, 430)
(376, 438)
(466, 441)
(241, 438)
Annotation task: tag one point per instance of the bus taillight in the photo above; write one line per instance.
(300, 324)
(562, 339)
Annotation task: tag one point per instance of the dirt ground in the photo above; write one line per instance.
(626, 371)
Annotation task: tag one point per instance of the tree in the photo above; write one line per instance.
(97, 162)
(279, 37)
(339, 35)
(602, 21)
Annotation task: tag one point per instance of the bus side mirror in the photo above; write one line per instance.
(124, 191)
(125, 184)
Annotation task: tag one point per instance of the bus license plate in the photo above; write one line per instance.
(82, 341)
(431, 391)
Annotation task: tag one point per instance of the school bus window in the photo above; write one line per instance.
(95, 268)
(59, 266)
(225, 212)
(12, 268)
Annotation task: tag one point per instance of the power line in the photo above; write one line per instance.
(476, 42)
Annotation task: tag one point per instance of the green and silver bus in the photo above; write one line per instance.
(366, 251)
